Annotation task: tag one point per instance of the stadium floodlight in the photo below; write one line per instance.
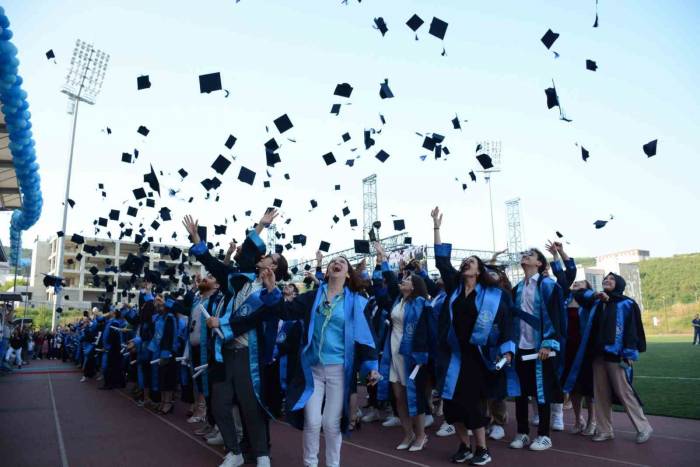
(86, 74)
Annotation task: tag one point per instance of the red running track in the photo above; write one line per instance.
(49, 418)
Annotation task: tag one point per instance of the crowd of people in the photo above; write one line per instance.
(21, 344)
(244, 345)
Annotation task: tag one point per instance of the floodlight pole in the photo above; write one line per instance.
(61, 240)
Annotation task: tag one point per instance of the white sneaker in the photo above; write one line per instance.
(214, 432)
(446, 430)
(497, 432)
(541, 443)
(558, 423)
(232, 460)
(391, 421)
(217, 440)
(263, 461)
(372, 415)
(83, 379)
(197, 419)
(429, 420)
(520, 441)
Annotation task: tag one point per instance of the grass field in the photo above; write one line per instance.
(658, 377)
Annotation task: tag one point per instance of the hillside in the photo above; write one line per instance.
(676, 278)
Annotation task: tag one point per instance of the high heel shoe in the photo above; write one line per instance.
(405, 446)
(419, 447)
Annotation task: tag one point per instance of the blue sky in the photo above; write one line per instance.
(279, 57)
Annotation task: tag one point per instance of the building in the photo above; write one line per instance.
(79, 291)
(611, 262)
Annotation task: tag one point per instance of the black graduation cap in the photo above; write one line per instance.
(600, 224)
(415, 22)
(283, 123)
(335, 219)
(380, 25)
(314, 203)
(552, 98)
(324, 246)
(438, 28)
(50, 54)
(429, 143)
(549, 38)
(77, 239)
(52, 281)
(155, 225)
(455, 123)
(384, 90)
(279, 249)
(102, 222)
(272, 158)
(343, 90)
(220, 229)
(126, 157)
(346, 211)
(650, 148)
(152, 180)
(350, 162)
(71, 203)
(277, 203)
(559, 234)
(93, 270)
(165, 214)
(329, 158)
(246, 175)
(369, 142)
(335, 109)
(407, 240)
(209, 83)
(353, 222)
(152, 276)
(182, 172)
(60, 233)
(143, 130)
(362, 246)
(221, 164)
(382, 155)
(472, 175)
(143, 82)
(266, 184)
(139, 193)
(485, 161)
(230, 141)
(584, 154)
(337, 188)
(399, 224)
(346, 137)
(114, 215)
(151, 203)
(591, 65)
(299, 239)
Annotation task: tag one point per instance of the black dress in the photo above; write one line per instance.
(467, 404)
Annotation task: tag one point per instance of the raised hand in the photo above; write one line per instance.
(268, 279)
(551, 247)
(232, 246)
(380, 250)
(437, 217)
(319, 258)
(268, 217)
(191, 226)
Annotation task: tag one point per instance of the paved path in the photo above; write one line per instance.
(49, 418)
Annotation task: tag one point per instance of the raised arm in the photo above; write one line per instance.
(443, 251)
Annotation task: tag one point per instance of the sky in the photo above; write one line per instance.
(281, 57)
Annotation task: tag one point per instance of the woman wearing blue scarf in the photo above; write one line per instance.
(336, 338)
(474, 332)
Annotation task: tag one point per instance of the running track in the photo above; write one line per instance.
(48, 418)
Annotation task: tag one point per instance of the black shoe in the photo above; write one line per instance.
(462, 455)
(481, 457)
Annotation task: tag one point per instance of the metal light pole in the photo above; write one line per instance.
(83, 84)
(493, 148)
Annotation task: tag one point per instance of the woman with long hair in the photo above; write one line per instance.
(475, 332)
(336, 337)
(405, 356)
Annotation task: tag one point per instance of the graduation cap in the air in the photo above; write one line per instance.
(329, 158)
(559, 234)
(71, 203)
(126, 157)
(553, 101)
(60, 233)
(353, 222)
(277, 203)
(114, 215)
(230, 141)
(380, 25)
(384, 90)
(142, 130)
(50, 54)
(455, 123)
(399, 225)
(591, 65)
(584, 154)
(133, 264)
(283, 123)
(343, 90)
(472, 175)
(152, 180)
(600, 224)
(220, 229)
(346, 211)
(369, 142)
(650, 148)
(324, 246)
(209, 82)
(549, 38)
(143, 82)
(335, 219)
(382, 155)
(299, 239)
(165, 214)
(77, 239)
(415, 22)
(485, 161)
(350, 162)
(438, 28)
(139, 193)
(362, 246)
(52, 281)
(335, 109)
(337, 187)
(221, 164)
(595, 24)
(246, 175)
(183, 173)
(93, 270)
(314, 203)
(346, 137)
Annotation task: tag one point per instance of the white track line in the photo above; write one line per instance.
(608, 459)
(680, 378)
(384, 454)
(59, 433)
(655, 435)
(175, 427)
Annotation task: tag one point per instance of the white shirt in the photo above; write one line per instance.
(527, 304)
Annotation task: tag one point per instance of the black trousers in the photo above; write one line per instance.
(528, 387)
(238, 386)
